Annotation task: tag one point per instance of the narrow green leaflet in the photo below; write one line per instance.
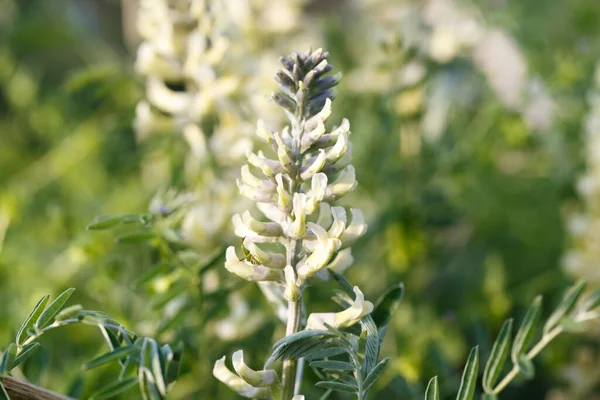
(25, 353)
(105, 222)
(53, 309)
(526, 367)
(494, 364)
(433, 390)
(592, 301)
(8, 359)
(152, 273)
(526, 330)
(565, 306)
(138, 237)
(116, 354)
(340, 387)
(157, 367)
(114, 389)
(325, 353)
(469, 377)
(387, 304)
(334, 365)
(68, 312)
(3, 394)
(375, 374)
(33, 316)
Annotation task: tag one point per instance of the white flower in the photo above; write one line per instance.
(255, 378)
(237, 384)
(247, 270)
(342, 319)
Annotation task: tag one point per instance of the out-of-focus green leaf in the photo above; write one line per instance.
(469, 377)
(25, 353)
(527, 329)
(114, 389)
(495, 362)
(53, 309)
(387, 304)
(526, 367)
(31, 318)
(116, 354)
(433, 391)
(566, 305)
(138, 237)
(8, 359)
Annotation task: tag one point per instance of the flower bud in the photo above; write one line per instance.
(292, 288)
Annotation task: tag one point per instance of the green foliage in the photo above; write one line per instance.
(153, 372)
(572, 310)
(465, 196)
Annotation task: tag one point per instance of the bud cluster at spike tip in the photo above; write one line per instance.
(304, 84)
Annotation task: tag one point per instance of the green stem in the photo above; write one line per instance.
(289, 366)
(535, 350)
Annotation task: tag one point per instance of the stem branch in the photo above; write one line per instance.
(535, 350)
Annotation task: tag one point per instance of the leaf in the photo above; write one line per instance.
(469, 377)
(3, 394)
(157, 367)
(105, 222)
(387, 304)
(68, 312)
(565, 306)
(489, 396)
(494, 364)
(25, 353)
(151, 274)
(173, 366)
(571, 325)
(137, 237)
(340, 387)
(33, 316)
(53, 309)
(8, 359)
(433, 391)
(592, 301)
(116, 354)
(527, 329)
(526, 367)
(114, 389)
(302, 335)
(333, 365)
(375, 373)
(325, 353)
(91, 317)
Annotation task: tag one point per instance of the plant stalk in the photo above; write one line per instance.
(293, 326)
(21, 390)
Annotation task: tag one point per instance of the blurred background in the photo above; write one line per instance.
(475, 131)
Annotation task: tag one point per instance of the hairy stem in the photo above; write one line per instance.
(535, 350)
(293, 326)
